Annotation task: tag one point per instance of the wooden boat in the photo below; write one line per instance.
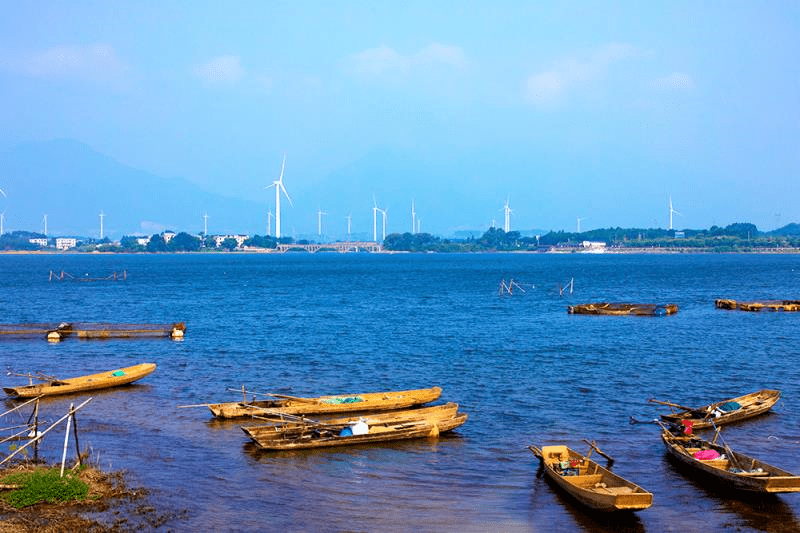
(606, 308)
(279, 429)
(589, 483)
(343, 403)
(725, 411)
(380, 432)
(735, 470)
(761, 305)
(103, 380)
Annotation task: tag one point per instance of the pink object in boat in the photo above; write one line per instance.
(706, 455)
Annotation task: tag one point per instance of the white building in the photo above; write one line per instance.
(142, 241)
(65, 243)
(168, 236)
(39, 242)
(219, 239)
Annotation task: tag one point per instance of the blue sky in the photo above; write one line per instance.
(598, 110)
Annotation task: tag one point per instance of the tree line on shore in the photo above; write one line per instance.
(740, 237)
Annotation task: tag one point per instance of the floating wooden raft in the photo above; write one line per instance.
(606, 308)
(761, 305)
(57, 332)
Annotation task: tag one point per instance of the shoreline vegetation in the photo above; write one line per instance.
(734, 238)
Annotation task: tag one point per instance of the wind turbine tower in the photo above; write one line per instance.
(383, 212)
(205, 224)
(508, 211)
(374, 219)
(101, 224)
(270, 216)
(2, 219)
(349, 219)
(320, 212)
(278, 184)
(413, 217)
(579, 224)
(44, 219)
(671, 211)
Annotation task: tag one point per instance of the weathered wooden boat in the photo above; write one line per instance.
(592, 485)
(380, 432)
(760, 305)
(80, 330)
(298, 425)
(733, 469)
(606, 308)
(343, 403)
(724, 411)
(103, 380)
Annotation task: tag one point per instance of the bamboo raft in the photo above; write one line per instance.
(57, 332)
(732, 469)
(589, 483)
(724, 411)
(760, 305)
(342, 403)
(102, 380)
(606, 308)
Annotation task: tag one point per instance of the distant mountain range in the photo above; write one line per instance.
(72, 184)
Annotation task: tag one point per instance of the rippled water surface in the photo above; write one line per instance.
(525, 371)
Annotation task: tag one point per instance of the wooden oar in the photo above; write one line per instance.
(600, 452)
(692, 410)
(731, 456)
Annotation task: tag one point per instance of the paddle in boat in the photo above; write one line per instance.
(343, 403)
(718, 462)
(103, 380)
(724, 411)
(360, 432)
(606, 308)
(592, 485)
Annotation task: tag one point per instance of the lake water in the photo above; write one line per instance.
(525, 371)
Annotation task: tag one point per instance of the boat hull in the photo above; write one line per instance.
(590, 484)
(102, 380)
(380, 433)
(758, 477)
(373, 401)
(753, 404)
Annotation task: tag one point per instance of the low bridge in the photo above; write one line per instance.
(341, 247)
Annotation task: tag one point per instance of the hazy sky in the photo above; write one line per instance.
(599, 110)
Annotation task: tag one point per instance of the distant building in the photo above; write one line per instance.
(219, 239)
(39, 242)
(593, 246)
(142, 241)
(168, 236)
(679, 235)
(65, 243)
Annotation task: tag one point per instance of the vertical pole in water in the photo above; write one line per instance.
(244, 394)
(36, 430)
(75, 433)
(66, 438)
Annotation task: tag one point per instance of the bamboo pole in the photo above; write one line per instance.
(39, 437)
(19, 406)
(70, 416)
(36, 430)
(75, 433)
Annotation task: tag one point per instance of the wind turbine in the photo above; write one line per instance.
(278, 184)
(508, 211)
(413, 217)
(349, 218)
(320, 212)
(270, 216)
(3, 193)
(419, 225)
(374, 219)
(579, 224)
(44, 220)
(2, 219)
(383, 212)
(205, 224)
(101, 224)
(671, 211)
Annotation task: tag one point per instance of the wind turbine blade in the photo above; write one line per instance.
(4, 193)
(286, 194)
(283, 165)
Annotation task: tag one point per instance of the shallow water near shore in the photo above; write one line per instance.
(524, 370)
